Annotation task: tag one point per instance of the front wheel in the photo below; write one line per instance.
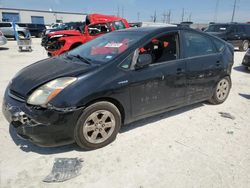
(98, 125)
(221, 91)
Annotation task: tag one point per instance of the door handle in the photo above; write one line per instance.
(218, 63)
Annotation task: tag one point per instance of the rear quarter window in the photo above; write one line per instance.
(196, 44)
(247, 29)
(219, 45)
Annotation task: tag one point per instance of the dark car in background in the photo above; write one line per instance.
(235, 33)
(86, 94)
(66, 26)
(35, 30)
(246, 60)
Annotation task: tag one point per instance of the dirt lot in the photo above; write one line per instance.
(190, 147)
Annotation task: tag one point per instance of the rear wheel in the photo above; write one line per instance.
(221, 91)
(244, 46)
(98, 125)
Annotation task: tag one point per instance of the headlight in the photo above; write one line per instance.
(48, 91)
(56, 36)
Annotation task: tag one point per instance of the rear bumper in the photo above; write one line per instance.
(43, 127)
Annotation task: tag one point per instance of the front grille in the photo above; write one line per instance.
(17, 96)
(44, 40)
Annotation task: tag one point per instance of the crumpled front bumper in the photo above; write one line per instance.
(43, 127)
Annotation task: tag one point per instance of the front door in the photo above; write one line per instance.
(163, 83)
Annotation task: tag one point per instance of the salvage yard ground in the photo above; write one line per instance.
(190, 147)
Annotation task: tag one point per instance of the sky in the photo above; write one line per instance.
(200, 11)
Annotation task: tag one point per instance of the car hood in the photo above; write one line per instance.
(44, 71)
(65, 32)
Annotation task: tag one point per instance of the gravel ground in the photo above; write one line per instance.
(190, 147)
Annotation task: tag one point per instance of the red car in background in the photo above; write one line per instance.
(96, 25)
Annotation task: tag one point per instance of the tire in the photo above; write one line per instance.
(244, 46)
(221, 91)
(98, 125)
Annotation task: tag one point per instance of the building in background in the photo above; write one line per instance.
(39, 16)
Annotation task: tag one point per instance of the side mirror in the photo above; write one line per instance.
(143, 60)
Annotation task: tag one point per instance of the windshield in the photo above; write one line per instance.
(218, 28)
(107, 47)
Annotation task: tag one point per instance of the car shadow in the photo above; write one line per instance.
(27, 146)
(242, 69)
(158, 117)
(245, 96)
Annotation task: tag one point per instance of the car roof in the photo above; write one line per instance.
(147, 30)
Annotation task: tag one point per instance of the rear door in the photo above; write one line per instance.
(204, 65)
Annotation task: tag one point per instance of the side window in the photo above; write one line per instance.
(118, 25)
(127, 62)
(5, 25)
(162, 49)
(98, 29)
(219, 45)
(197, 45)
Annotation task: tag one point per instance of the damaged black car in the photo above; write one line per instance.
(85, 95)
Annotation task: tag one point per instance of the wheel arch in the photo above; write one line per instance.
(115, 102)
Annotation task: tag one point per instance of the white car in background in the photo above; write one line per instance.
(3, 40)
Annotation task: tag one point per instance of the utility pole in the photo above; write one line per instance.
(169, 16)
(154, 18)
(122, 12)
(183, 14)
(164, 17)
(216, 11)
(235, 2)
(138, 16)
(118, 10)
(190, 16)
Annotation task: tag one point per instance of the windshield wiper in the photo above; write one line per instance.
(81, 58)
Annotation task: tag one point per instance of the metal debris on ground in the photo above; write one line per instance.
(230, 132)
(227, 115)
(64, 169)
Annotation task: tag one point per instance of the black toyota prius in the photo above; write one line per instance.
(85, 95)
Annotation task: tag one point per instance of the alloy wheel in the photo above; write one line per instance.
(99, 126)
(245, 45)
(222, 89)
